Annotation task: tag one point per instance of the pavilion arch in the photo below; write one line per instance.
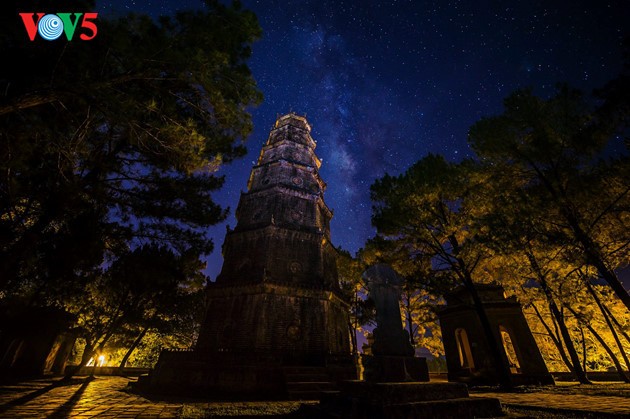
(463, 347)
(511, 352)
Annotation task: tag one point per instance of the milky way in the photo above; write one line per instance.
(385, 83)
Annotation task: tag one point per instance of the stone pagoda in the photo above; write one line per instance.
(276, 324)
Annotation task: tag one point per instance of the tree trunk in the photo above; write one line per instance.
(594, 257)
(353, 338)
(611, 354)
(503, 373)
(353, 326)
(132, 348)
(555, 340)
(589, 247)
(609, 323)
(611, 278)
(580, 372)
(410, 325)
(96, 349)
(616, 322)
(88, 353)
(583, 348)
(111, 328)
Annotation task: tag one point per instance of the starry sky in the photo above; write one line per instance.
(383, 83)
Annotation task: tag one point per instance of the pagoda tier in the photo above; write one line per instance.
(283, 229)
(279, 277)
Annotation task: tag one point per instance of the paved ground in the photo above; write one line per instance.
(103, 397)
(604, 405)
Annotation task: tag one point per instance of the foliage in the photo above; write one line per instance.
(430, 210)
(540, 211)
(355, 291)
(418, 296)
(149, 288)
(105, 145)
(421, 210)
(548, 147)
(596, 358)
(108, 152)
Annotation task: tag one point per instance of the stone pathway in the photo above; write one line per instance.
(101, 397)
(608, 406)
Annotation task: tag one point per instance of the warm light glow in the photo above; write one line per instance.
(510, 350)
(463, 347)
(100, 363)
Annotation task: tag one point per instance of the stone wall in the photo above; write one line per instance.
(275, 318)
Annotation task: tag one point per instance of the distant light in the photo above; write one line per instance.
(100, 361)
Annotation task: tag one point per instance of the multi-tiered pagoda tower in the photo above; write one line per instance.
(276, 304)
(278, 290)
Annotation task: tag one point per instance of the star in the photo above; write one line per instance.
(385, 83)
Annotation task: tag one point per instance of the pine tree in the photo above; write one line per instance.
(114, 143)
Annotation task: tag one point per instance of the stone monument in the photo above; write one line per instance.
(392, 387)
(392, 356)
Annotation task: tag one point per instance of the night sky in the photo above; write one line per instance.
(383, 83)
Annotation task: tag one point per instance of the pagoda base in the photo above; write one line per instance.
(238, 376)
(387, 369)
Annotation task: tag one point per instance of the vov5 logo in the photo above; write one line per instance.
(51, 26)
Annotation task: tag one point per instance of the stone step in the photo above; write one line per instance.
(304, 395)
(306, 377)
(304, 370)
(396, 393)
(333, 405)
(465, 408)
(311, 386)
(307, 383)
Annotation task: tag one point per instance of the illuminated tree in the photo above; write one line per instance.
(146, 288)
(355, 291)
(549, 146)
(176, 324)
(420, 290)
(432, 208)
(525, 249)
